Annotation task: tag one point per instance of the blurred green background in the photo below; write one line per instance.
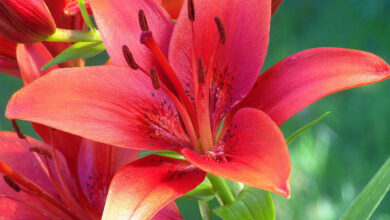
(334, 160)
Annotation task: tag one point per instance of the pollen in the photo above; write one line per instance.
(42, 151)
(11, 183)
(143, 23)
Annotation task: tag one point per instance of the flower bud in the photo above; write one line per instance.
(7, 50)
(25, 21)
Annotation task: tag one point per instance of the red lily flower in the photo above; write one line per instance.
(215, 52)
(80, 158)
(43, 187)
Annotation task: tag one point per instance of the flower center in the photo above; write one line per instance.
(194, 109)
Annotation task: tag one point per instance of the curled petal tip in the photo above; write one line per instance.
(284, 190)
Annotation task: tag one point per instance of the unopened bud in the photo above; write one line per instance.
(7, 50)
(25, 21)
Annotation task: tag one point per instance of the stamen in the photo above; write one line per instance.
(221, 30)
(11, 183)
(42, 151)
(33, 189)
(143, 23)
(191, 10)
(154, 77)
(17, 129)
(200, 71)
(148, 40)
(129, 58)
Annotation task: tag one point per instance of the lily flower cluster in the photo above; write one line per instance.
(189, 85)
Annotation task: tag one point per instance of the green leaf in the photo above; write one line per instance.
(85, 15)
(292, 137)
(251, 204)
(76, 51)
(203, 191)
(368, 200)
(165, 153)
(205, 210)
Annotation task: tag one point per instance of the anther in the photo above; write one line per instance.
(221, 30)
(200, 71)
(143, 23)
(191, 10)
(11, 183)
(154, 77)
(17, 129)
(129, 58)
(42, 151)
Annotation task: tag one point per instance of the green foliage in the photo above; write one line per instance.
(300, 131)
(85, 14)
(76, 51)
(367, 201)
(251, 204)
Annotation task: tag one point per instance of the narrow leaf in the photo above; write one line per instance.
(76, 51)
(165, 153)
(205, 210)
(292, 137)
(85, 15)
(368, 200)
(251, 204)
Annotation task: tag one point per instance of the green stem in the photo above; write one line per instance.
(224, 195)
(205, 210)
(64, 35)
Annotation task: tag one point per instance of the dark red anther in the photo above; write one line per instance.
(129, 58)
(191, 10)
(17, 129)
(143, 23)
(11, 183)
(200, 71)
(154, 77)
(42, 151)
(221, 30)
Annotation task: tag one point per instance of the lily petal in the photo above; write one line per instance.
(15, 154)
(9, 68)
(97, 164)
(303, 78)
(276, 5)
(118, 24)
(173, 7)
(155, 182)
(239, 62)
(7, 50)
(169, 212)
(253, 152)
(32, 57)
(107, 104)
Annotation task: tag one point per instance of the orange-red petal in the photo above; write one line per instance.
(253, 152)
(107, 104)
(173, 7)
(142, 188)
(97, 164)
(118, 24)
(303, 78)
(239, 60)
(276, 5)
